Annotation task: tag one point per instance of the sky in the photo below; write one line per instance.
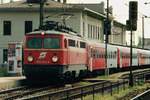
(120, 11)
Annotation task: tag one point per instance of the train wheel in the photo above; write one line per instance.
(68, 77)
(73, 76)
(83, 74)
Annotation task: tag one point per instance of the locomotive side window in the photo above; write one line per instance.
(72, 43)
(34, 43)
(51, 43)
(82, 45)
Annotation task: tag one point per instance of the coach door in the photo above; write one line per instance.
(90, 59)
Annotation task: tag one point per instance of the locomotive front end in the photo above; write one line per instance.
(43, 56)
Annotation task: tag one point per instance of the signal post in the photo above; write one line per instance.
(132, 26)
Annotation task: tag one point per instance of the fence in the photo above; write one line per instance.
(80, 92)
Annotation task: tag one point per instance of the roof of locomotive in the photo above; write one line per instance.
(53, 32)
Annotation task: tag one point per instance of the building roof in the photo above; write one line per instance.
(98, 7)
(23, 5)
(53, 6)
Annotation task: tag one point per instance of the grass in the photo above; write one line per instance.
(122, 95)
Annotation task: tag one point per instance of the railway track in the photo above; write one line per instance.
(76, 92)
(12, 91)
(141, 73)
(61, 92)
(20, 92)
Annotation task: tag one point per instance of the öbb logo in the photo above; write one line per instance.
(42, 55)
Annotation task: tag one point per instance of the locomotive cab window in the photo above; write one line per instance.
(51, 43)
(34, 43)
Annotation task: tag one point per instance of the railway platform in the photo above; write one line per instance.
(10, 82)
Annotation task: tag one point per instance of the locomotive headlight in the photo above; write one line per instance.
(30, 58)
(54, 58)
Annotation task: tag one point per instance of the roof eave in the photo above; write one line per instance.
(94, 14)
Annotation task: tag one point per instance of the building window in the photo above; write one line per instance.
(91, 31)
(98, 32)
(7, 28)
(94, 32)
(28, 26)
(83, 29)
(88, 30)
(5, 53)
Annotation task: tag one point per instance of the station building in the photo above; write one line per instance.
(18, 18)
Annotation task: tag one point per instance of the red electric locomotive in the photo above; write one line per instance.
(54, 54)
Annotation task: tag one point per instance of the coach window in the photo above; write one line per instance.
(102, 54)
(97, 54)
(7, 27)
(94, 53)
(28, 26)
(115, 54)
(123, 55)
(110, 55)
